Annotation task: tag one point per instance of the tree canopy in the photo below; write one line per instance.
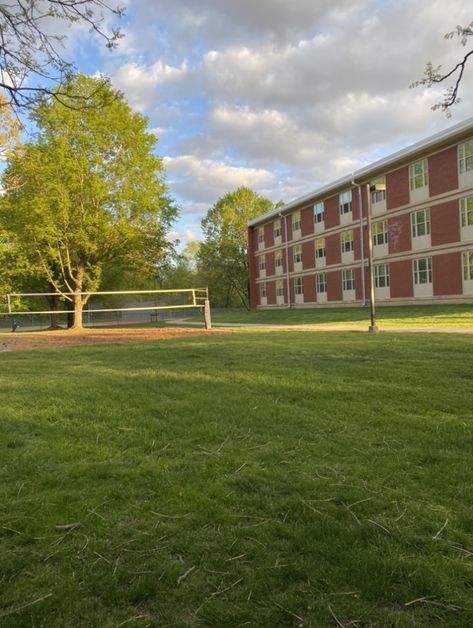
(89, 193)
(223, 255)
(435, 74)
(32, 34)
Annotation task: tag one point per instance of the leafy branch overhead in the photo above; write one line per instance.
(32, 38)
(434, 75)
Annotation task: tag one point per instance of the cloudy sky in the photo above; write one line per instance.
(279, 96)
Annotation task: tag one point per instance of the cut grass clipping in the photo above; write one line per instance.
(282, 479)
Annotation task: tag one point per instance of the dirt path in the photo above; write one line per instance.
(67, 338)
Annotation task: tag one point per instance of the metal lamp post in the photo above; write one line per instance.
(373, 328)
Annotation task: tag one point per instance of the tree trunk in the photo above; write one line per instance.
(54, 317)
(78, 300)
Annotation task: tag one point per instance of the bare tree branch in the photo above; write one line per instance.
(32, 35)
(434, 75)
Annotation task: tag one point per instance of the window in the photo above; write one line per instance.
(298, 286)
(262, 262)
(378, 195)
(321, 282)
(277, 228)
(297, 254)
(278, 259)
(347, 241)
(380, 233)
(423, 270)
(262, 290)
(296, 221)
(468, 266)
(465, 157)
(319, 212)
(345, 202)
(418, 177)
(260, 235)
(320, 248)
(466, 210)
(279, 288)
(381, 276)
(348, 279)
(420, 221)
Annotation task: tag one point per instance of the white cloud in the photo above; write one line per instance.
(206, 180)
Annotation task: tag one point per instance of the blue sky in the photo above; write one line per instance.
(280, 96)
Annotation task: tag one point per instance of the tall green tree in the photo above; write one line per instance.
(89, 193)
(223, 255)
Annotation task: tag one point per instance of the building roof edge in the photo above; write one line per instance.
(364, 172)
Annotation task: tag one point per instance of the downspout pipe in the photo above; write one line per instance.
(288, 287)
(362, 245)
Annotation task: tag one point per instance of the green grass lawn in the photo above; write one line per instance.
(258, 479)
(437, 316)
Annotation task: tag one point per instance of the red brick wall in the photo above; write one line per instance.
(400, 279)
(271, 292)
(332, 249)
(358, 284)
(309, 288)
(397, 188)
(252, 267)
(288, 228)
(290, 255)
(443, 171)
(307, 221)
(399, 234)
(447, 274)
(357, 242)
(334, 286)
(445, 223)
(268, 235)
(355, 203)
(331, 212)
(308, 255)
(291, 288)
(270, 269)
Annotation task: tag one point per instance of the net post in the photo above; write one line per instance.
(207, 319)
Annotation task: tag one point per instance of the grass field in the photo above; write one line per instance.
(257, 479)
(435, 316)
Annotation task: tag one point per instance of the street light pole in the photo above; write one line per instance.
(373, 328)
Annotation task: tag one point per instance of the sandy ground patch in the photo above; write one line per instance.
(67, 338)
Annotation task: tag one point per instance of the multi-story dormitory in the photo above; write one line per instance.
(314, 251)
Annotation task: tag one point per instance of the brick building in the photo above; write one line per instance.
(314, 250)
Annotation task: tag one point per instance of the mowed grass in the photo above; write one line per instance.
(257, 479)
(402, 316)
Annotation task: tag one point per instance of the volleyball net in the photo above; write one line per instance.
(126, 307)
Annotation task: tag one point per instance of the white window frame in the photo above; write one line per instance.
(263, 290)
(347, 245)
(279, 288)
(466, 211)
(277, 228)
(381, 276)
(297, 254)
(345, 203)
(296, 221)
(418, 175)
(420, 223)
(467, 263)
(465, 157)
(422, 276)
(298, 286)
(380, 235)
(319, 247)
(278, 259)
(321, 283)
(319, 212)
(348, 279)
(378, 196)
